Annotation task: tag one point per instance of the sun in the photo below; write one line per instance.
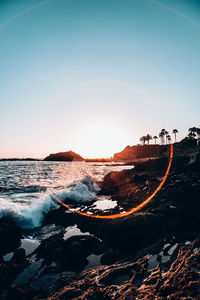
(101, 139)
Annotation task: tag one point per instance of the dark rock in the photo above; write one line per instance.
(77, 248)
(16, 293)
(19, 256)
(60, 216)
(64, 156)
(109, 258)
(10, 235)
(131, 279)
(70, 254)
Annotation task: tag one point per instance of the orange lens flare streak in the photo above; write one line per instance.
(132, 210)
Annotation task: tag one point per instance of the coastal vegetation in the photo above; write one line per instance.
(165, 137)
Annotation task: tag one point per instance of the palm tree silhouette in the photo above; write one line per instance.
(161, 135)
(168, 138)
(191, 135)
(175, 131)
(166, 134)
(148, 138)
(192, 131)
(143, 139)
(198, 132)
(155, 138)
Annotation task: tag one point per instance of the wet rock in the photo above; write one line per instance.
(8, 273)
(60, 216)
(64, 278)
(132, 279)
(77, 248)
(108, 258)
(70, 254)
(19, 294)
(52, 248)
(10, 235)
(19, 256)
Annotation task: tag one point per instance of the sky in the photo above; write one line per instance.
(93, 76)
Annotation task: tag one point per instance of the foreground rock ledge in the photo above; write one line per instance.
(134, 279)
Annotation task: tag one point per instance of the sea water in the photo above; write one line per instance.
(26, 187)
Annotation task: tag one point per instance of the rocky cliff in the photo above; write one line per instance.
(140, 151)
(186, 147)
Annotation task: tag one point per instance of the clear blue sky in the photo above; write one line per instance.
(95, 75)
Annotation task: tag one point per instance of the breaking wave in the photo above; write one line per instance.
(30, 214)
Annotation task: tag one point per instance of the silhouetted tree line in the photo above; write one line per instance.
(165, 137)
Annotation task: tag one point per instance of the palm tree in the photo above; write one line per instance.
(166, 134)
(198, 132)
(143, 139)
(191, 135)
(161, 135)
(155, 138)
(192, 132)
(175, 131)
(169, 138)
(148, 138)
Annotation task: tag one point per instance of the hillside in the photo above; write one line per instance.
(139, 151)
(64, 156)
(186, 146)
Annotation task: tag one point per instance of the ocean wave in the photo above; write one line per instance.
(23, 189)
(80, 191)
(31, 214)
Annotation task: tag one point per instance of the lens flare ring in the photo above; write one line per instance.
(132, 210)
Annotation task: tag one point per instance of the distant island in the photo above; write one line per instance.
(64, 156)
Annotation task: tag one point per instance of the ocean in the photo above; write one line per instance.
(26, 188)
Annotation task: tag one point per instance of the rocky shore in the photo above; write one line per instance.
(152, 254)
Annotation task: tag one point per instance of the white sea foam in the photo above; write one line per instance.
(30, 214)
(27, 188)
(27, 215)
(81, 191)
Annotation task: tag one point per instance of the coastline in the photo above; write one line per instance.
(125, 250)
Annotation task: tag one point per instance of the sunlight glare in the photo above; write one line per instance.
(101, 140)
